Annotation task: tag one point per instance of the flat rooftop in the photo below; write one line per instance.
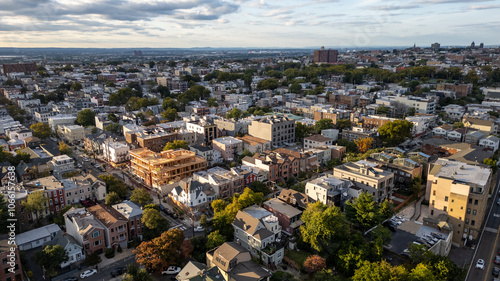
(461, 171)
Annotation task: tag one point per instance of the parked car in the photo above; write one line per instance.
(497, 260)
(88, 273)
(171, 270)
(198, 229)
(480, 264)
(118, 271)
(496, 271)
(498, 201)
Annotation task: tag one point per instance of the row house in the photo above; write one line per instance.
(288, 216)
(212, 156)
(53, 190)
(280, 167)
(115, 225)
(229, 147)
(86, 230)
(81, 188)
(255, 144)
(225, 183)
(5, 267)
(333, 115)
(317, 141)
(374, 121)
(62, 164)
(490, 142)
(404, 169)
(307, 161)
(133, 213)
(294, 198)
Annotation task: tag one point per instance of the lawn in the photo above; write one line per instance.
(298, 257)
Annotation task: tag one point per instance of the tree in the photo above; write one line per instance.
(51, 258)
(112, 198)
(92, 259)
(302, 131)
(379, 271)
(169, 103)
(215, 239)
(381, 233)
(114, 184)
(176, 144)
(395, 132)
(350, 146)
(65, 149)
(113, 128)
(86, 117)
(343, 124)
(422, 272)
(416, 185)
(212, 102)
(163, 91)
(384, 110)
(258, 186)
(323, 124)
(112, 117)
(76, 86)
(141, 197)
(457, 125)
(168, 249)
(170, 114)
(324, 227)
(234, 113)
(385, 210)
(268, 84)
(154, 223)
(41, 130)
(363, 210)
(363, 144)
(314, 263)
(36, 202)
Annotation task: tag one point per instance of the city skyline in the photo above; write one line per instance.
(240, 23)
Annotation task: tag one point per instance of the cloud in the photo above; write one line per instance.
(395, 7)
(432, 2)
(277, 12)
(484, 7)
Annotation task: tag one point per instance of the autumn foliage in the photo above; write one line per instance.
(168, 249)
(364, 144)
(314, 263)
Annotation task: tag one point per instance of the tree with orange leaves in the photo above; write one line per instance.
(364, 144)
(161, 252)
(314, 263)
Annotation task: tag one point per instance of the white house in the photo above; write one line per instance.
(115, 152)
(442, 131)
(331, 134)
(62, 164)
(456, 135)
(192, 194)
(317, 141)
(490, 142)
(37, 237)
(70, 245)
(328, 190)
(420, 124)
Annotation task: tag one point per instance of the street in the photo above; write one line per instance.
(488, 245)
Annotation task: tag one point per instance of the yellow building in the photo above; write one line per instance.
(157, 169)
(460, 191)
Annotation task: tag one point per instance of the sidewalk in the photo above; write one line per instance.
(105, 263)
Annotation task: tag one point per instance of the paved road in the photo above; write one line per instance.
(103, 273)
(489, 243)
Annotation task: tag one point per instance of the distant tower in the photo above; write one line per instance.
(325, 56)
(481, 45)
(472, 45)
(435, 46)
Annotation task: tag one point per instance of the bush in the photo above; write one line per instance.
(30, 274)
(92, 259)
(109, 253)
(119, 249)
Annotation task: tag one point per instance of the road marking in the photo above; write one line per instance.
(489, 229)
(491, 256)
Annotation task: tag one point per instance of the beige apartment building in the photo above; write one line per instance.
(71, 133)
(156, 169)
(368, 177)
(276, 129)
(459, 191)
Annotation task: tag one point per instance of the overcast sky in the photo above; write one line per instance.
(242, 23)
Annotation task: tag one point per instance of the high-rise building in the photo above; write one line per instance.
(18, 67)
(460, 192)
(325, 56)
(157, 169)
(276, 129)
(435, 46)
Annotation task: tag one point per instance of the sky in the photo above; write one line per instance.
(246, 23)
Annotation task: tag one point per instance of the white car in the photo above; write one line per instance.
(198, 229)
(172, 270)
(480, 264)
(86, 159)
(88, 273)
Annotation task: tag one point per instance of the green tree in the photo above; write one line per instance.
(382, 233)
(169, 103)
(76, 86)
(350, 146)
(379, 271)
(324, 227)
(112, 117)
(170, 114)
(36, 203)
(86, 117)
(258, 186)
(113, 128)
(295, 88)
(51, 258)
(215, 239)
(65, 149)
(92, 259)
(385, 210)
(268, 84)
(395, 132)
(416, 185)
(343, 124)
(362, 211)
(212, 102)
(112, 198)
(323, 124)
(41, 130)
(141, 197)
(115, 185)
(176, 144)
(422, 272)
(234, 113)
(302, 131)
(457, 125)
(383, 110)
(154, 223)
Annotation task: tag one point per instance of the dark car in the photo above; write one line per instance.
(70, 279)
(497, 260)
(496, 271)
(118, 271)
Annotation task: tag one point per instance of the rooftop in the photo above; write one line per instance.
(228, 140)
(460, 171)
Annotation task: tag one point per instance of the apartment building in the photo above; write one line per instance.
(115, 225)
(460, 191)
(85, 229)
(204, 127)
(461, 90)
(317, 141)
(157, 169)
(254, 144)
(62, 164)
(232, 127)
(81, 188)
(366, 176)
(328, 190)
(276, 129)
(225, 183)
(60, 119)
(404, 169)
(359, 133)
(115, 152)
(229, 147)
(278, 166)
(53, 190)
(421, 105)
(71, 133)
(258, 230)
(153, 139)
(133, 213)
(374, 121)
(43, 117)
(484, 126)
(334, 115)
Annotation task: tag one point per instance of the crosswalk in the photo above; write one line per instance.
(179, 226)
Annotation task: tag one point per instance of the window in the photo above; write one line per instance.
(432, 212)
(446, 198)
(434, 192)
(468, 210)
(474, 212)
(96, 233)
(472, 222)
(433, 201)
(475, 202)
(445, 208)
